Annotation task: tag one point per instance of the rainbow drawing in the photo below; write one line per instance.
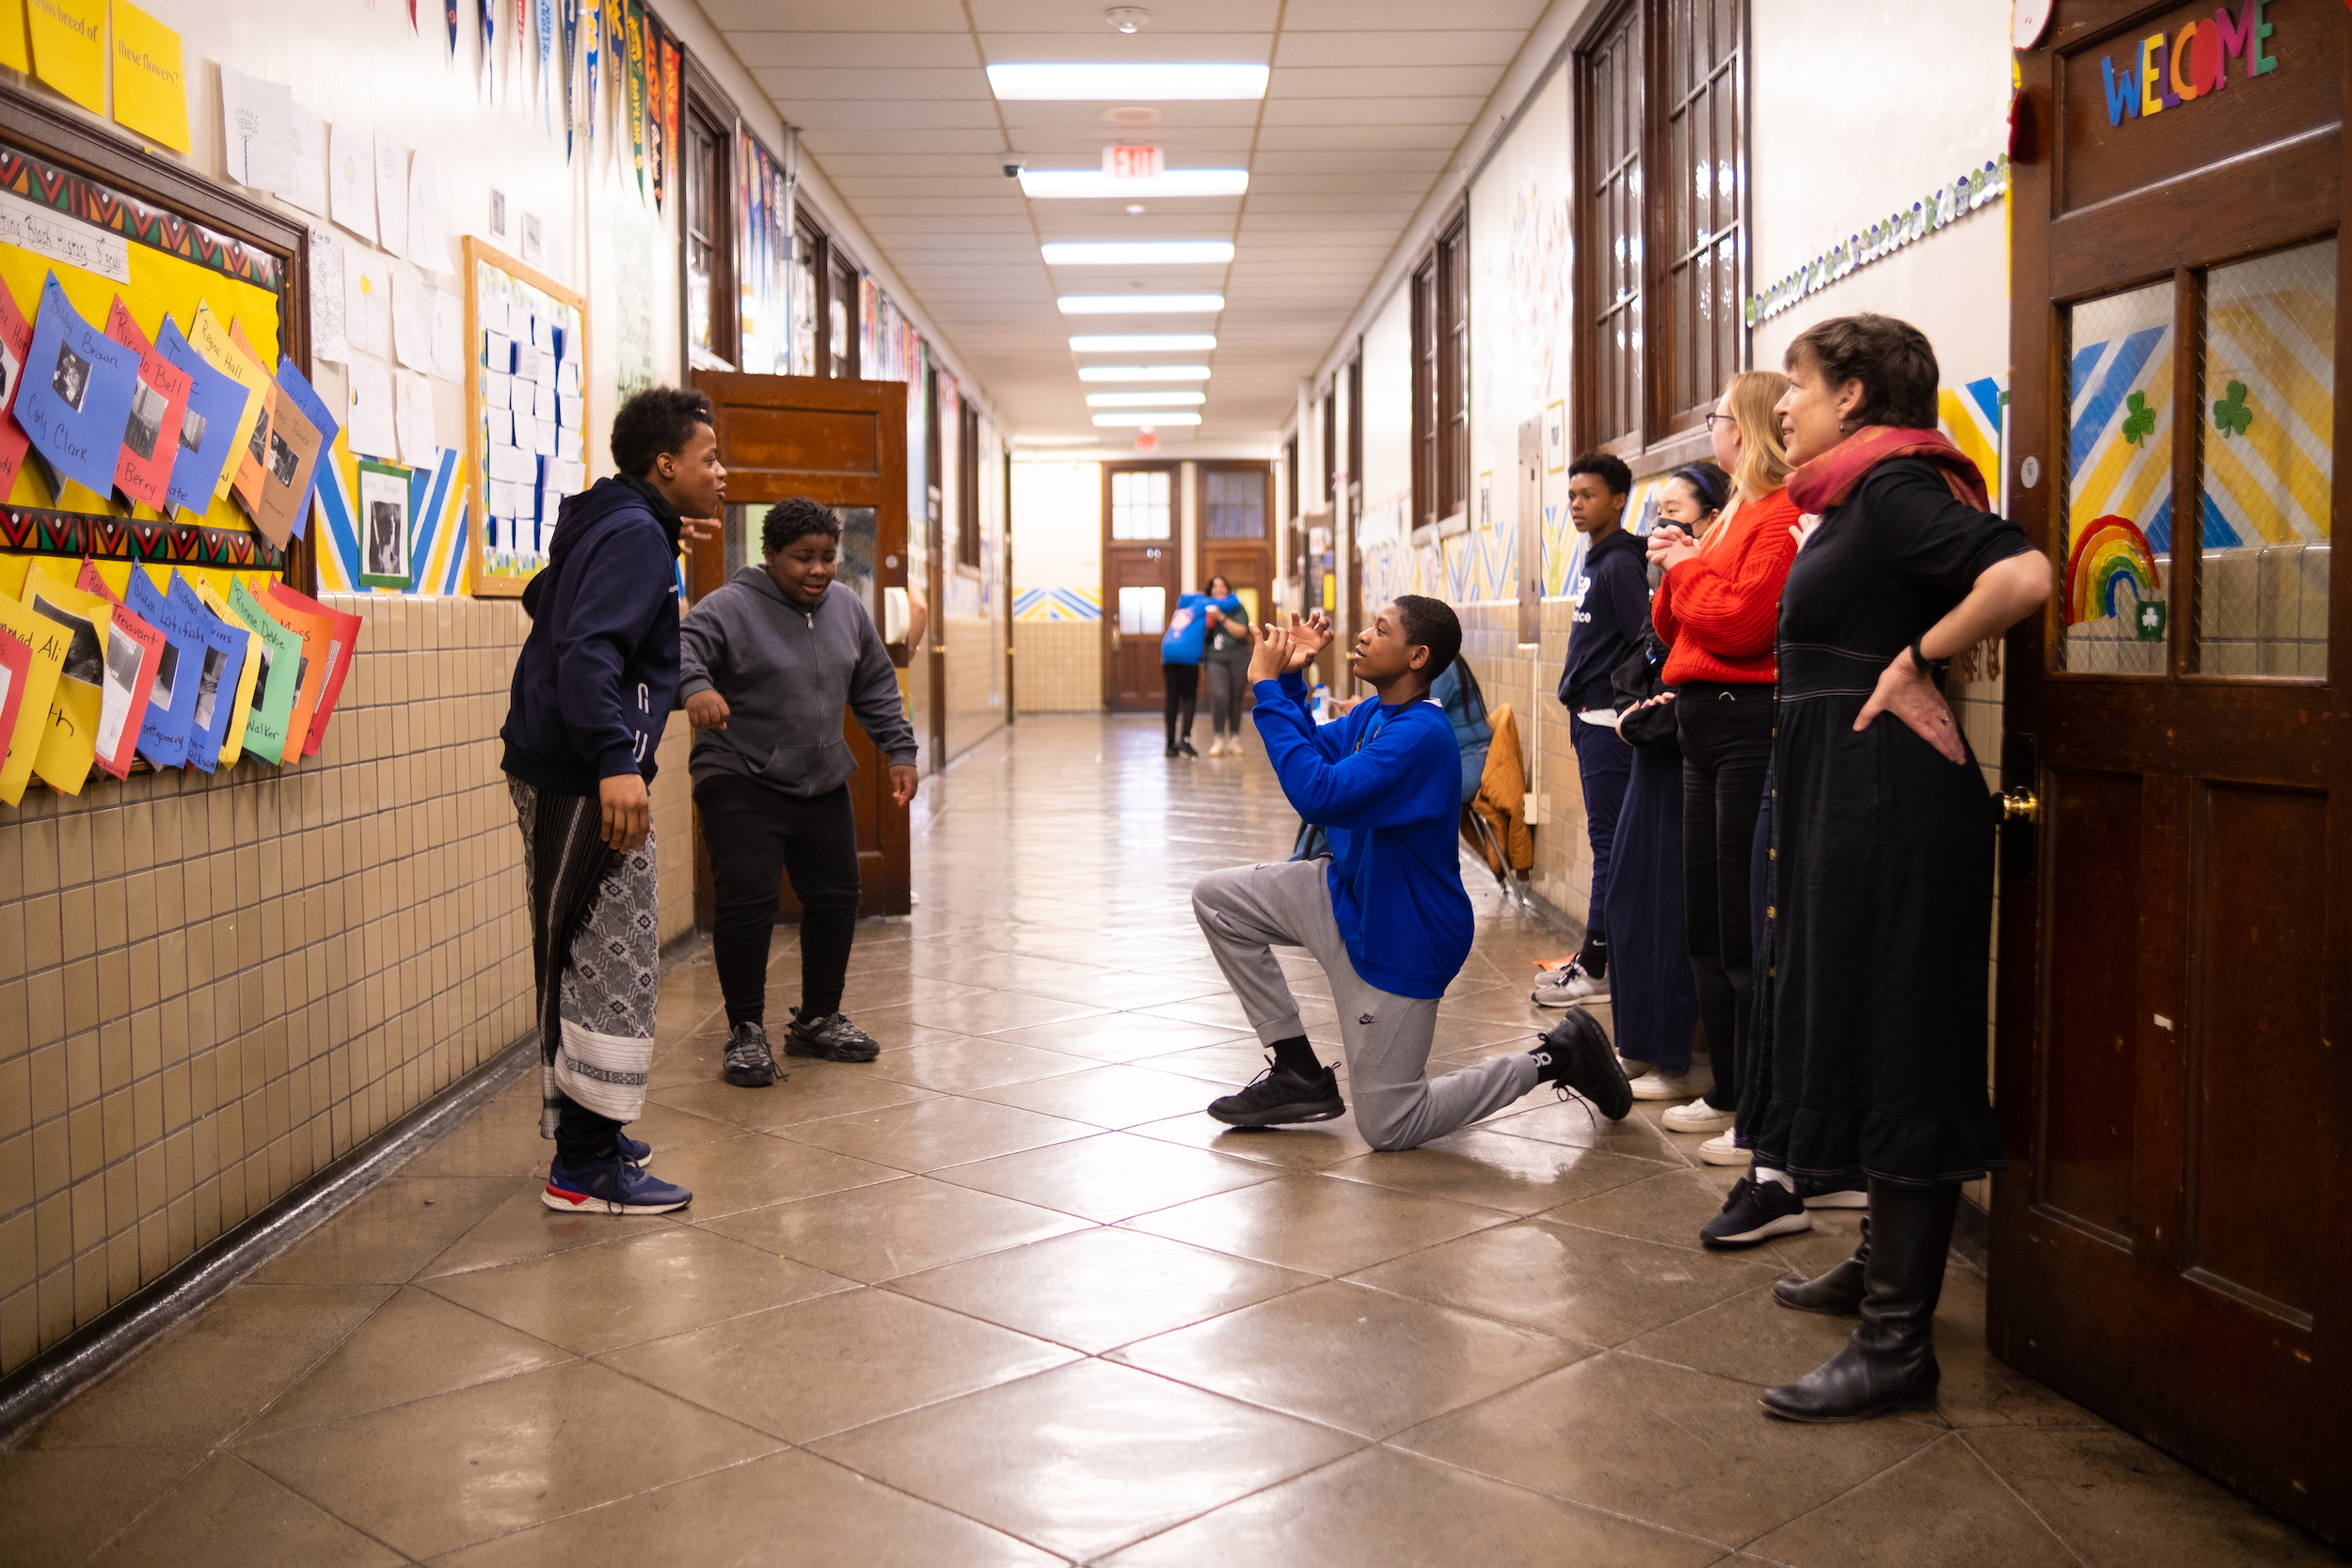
(2109, 554)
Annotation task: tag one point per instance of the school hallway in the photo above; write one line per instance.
(1007, 1296)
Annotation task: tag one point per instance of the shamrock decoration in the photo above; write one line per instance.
(2230, 415)
(2139, 421)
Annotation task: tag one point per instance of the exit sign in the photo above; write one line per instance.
(1132, 163)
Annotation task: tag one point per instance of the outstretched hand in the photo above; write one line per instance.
(1906, 692)
(1276, 651)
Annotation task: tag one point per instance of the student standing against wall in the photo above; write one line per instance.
(770, 664)
(592, 693)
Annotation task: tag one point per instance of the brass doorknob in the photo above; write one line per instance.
(2020, 804)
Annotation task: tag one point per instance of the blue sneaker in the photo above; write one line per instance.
(635, 1152)
(610, 1186)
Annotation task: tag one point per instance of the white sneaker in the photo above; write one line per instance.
(1723, 1150)
(1698, 1117)
(1633, 1070)
(1565, 987)
(1688, 1085)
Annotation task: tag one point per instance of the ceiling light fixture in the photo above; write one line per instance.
(1112, 81)
(1141, 304)
(1145, 400)
(1144, 342)
(1136, 253)
(1127, 19)
(1053, 184)
(1105, 420)
(1144, 372)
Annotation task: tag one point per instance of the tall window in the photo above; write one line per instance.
(1290, 474)
(1331, 445)
(1662, 94)
(711, 307)
(1140, 503)
(1442, 375)
(841, 323)
(1234, 503)
(968, 485)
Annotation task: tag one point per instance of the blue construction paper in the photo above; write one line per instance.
(292, 383)
(75, 398)
(223, 667)
(214, 400)
(171, 700)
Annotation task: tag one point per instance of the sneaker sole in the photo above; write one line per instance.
(1785, 1226)
(1593, 1056)
(1837, 1200)
(1725, 1156)
(1283, 1115)
(1711, 1127)
(582, 1203)
(1541, 1000)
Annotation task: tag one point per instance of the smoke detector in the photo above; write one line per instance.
(1133, 114)
(1127, 19)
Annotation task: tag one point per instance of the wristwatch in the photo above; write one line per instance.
(1926, 666)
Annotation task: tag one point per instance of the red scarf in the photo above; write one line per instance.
(1830, 479)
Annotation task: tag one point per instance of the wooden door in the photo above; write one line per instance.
(2174, 1067)
(1233, 542)
(843, 443)
(1141, 560)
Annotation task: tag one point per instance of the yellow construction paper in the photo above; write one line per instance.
(150, 91)
(69, 746)
(70, 48)
(12, 570)
(209, 334)
(48, 642)
(233, 747)
(13, 53)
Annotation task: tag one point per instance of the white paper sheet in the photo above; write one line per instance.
(496, 391)
(392, 192)
(567, 410)
(329, 287)
(542, 439)
(372, 425)
(428, 236)
(449, 337)
(257, 128)
(419, 447)
(307, 143)
(412, 320)
(351, 180)
(367, 302)
(543, 403)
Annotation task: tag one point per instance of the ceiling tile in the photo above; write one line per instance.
(1378, 84)
(831, 16)
(798, 85)
(1445, 47)
(845, 50)
(1106, 47)
(1291, 110)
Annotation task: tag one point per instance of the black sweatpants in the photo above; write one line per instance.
(755, 836)
(1726, 735)
(1182, 683)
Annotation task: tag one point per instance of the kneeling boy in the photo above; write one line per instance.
(1387, 919)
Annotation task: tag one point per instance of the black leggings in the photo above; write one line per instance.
(1182, 683)
(755, 836)
(1726, 735)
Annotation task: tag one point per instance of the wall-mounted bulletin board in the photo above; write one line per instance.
(159, 439)
(527, 407)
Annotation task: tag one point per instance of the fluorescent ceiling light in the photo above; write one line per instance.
(1069, 184)
(1141, 304)
(1145, 400)
(1136, 253)
(1144, 342)
(1127, 82)
(1144, 372)
(1153, 419)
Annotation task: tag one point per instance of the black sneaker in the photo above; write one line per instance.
(1577, 1056)
(833, 1038)
(1279, 1096)
(750, 1066)
(1755, 1212)
(1185, 746)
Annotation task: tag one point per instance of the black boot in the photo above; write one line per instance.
(1889, 1364)
(1838, 1292)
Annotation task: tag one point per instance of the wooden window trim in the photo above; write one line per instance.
(1423, 284)
(705, 100)
(967, 484)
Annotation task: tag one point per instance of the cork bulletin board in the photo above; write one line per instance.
(527, 412)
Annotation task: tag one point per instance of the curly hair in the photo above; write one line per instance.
(796, 517)
(1610, 470)
(656, 420)
(1431, 624)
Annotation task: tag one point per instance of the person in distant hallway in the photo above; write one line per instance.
(1869, 1048)
(592, 693)
(1385, 916)
(770, 663)
(1225, 663)
(1182, 645)
(1611, 596)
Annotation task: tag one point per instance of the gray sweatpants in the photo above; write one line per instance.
(1250, 908)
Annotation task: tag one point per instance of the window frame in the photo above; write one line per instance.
(1439, 282)
(706, 110)
(967, 482)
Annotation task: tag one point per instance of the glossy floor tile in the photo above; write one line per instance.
(1005, 1296)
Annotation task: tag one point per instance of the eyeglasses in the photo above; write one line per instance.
(1727, 418)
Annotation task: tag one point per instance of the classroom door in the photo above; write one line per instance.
(843, 443)
(1236, 499)
(1141, 560)
(2174, 1024)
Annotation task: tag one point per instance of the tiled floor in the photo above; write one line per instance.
(1005, 1296)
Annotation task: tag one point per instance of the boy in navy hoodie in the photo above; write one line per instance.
(593, 691)
(1387, 917)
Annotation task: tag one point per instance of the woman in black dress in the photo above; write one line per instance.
(1870, 998)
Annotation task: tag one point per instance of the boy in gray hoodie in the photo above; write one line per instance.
(767, 666)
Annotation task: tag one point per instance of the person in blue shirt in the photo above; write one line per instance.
(1182, 647)
(1386, 915)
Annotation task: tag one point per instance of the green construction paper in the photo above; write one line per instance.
(282, 676)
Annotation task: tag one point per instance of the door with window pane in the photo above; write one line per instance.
(1235, 542)
(1141, 553)
(2175, 996)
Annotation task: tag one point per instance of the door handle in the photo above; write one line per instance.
(2020, 804)
(1115, 639)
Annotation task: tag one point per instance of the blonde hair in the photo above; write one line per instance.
(1763, 464)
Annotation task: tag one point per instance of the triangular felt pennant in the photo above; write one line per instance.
(16, 340)
(545, 27)
(150, 437)
(672, 71)
(30, 690)
(591, 27)
(343, 642)
(571, 73)
(450, 7)
(636, 25)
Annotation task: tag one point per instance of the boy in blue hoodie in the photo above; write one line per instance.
(593, 691)
(1387, 917)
